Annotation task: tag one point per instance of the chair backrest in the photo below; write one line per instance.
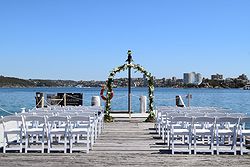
(245, 122)
(204, 119)
(40, 119)
(66, 114)
(79, 118)
(216, 114)
(176, 114)
(12, 118)
(231, 120)
(204, 122)
(90, 114)
(28, 113)
(34, 121)
(57, 118)
(57, 122)
(183, 121)
(79, 121)
(237, 115)
(227, 122)
(195, 114)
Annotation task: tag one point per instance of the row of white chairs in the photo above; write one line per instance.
(217, 129)
(96, 114)
(164, 112)
(41, 127)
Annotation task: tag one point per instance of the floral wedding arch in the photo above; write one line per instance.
(110, 82)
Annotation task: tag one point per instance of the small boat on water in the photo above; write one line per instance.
(247, 87)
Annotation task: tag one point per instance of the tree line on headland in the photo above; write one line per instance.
(12, 82)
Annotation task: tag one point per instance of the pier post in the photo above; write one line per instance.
(95, 101)
(189, 96)
(42, 102)
(39, 100)
(64, 99)
(143, 104)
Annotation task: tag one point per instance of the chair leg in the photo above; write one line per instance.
(49, 143)
(21, 143)
(65, 144)
(4, 143)
(234, 144)
(87, 142)
(241, 144)
(212, 144)
(95, 132)
(168, 138)
(92, 140)
(172, 144)
(217, 144)
(26, 143)
(194, 144)
(71, 143)
(158, 129)
(189, 142)
(43, 143)
(99, 128)
(164, 136)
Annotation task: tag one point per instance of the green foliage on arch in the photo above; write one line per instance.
(124, 67)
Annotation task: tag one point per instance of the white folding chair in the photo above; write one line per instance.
(158, 122)
(93, 126)
(79, 127)
(13, 133)
(34, 128)
(226, 128)
(203, 128)
(166, 125)
(243, 132)
(183, 132)
(57, 127)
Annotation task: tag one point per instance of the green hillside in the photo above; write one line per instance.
(15, 82)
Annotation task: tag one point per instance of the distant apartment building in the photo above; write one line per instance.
(217, 77)
(243, 77)
(174, 78)
(192, 78)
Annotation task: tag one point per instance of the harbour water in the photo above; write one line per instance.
(13, 99)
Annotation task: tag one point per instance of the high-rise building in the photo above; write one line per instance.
(187, 78)
(192, 78)
(198, 78)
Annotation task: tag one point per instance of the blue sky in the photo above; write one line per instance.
(86, 39)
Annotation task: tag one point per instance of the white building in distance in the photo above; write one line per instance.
(192, 78)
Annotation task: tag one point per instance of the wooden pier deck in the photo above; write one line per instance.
(123, 143)
(124, 136)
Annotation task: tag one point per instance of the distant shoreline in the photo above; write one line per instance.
(11, 87)
(11, 82)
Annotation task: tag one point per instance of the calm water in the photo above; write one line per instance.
(12, 99)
